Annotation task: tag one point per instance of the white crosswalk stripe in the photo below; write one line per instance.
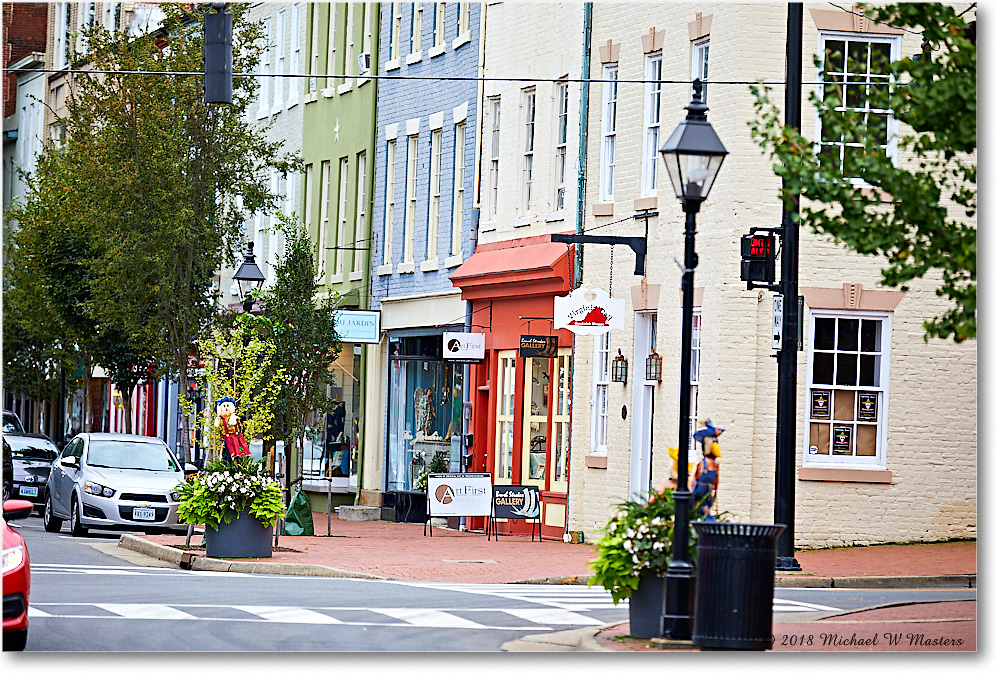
(782, 605)
(567, 597)
(553, 616)
(144, 611)
(287, 614)
(429, 618)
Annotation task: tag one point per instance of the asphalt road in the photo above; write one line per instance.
(85, 599)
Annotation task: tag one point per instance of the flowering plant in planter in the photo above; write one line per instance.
(638, 540)
(224, 490)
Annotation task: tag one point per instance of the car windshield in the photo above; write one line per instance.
(11, 425)
(35, 449)
(130, 455)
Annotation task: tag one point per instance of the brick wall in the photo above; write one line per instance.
(24, 26)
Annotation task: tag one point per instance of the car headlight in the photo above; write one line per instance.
(12, 557)
(175, 496)
(98, 489)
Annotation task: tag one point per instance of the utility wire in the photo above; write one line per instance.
(865, 16)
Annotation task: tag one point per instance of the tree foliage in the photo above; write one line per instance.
(920, 216)
(151, 187)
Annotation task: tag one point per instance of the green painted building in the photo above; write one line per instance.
(338, 149)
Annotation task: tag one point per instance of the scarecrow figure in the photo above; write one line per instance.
(705, 480)
(233, 443)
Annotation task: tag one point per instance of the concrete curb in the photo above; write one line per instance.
(934, 581)
(575, 640)
(206, 564)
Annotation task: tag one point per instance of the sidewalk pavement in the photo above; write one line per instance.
(401, 551)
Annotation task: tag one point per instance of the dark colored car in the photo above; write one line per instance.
(12, 423)
(33, 455)
(16, 578)
(8, 471)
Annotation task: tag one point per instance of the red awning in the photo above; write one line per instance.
(504, 268)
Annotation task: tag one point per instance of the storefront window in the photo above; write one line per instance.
(425, 411)
(505, 417)
(536, 392)
(330, 441)
(560, 421)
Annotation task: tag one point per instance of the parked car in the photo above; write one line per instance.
(8, 471)
(16, 578)
(32, 456)
(113, 482)
(12, 423)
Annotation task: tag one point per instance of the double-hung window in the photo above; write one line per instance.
(314, 47)
(359, 217)
(112, 11)
(340, 242)
(458, 191)
(434, 218)
(62, 34)
(395, 25)
(848, 388)
(439, 25)
(528, 156)
(463, 19)
(416, 27)
(651, 123)
(411, 198)
(264, 95)
(281, 61)
(856, 84)
(494, 157)
(390, 200)
(562, 129)
(699, 65)
(609, 126)
(602, 379)
(86, 15)
(331, 47)
(295, 56)
(324, 219)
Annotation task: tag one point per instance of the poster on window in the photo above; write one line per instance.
(516, 501)
(821, 404)
(868, 406)
(842, 440)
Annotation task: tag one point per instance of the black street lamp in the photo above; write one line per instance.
(248, 278)
(693, 155)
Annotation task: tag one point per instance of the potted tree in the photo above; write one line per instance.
(633, 555)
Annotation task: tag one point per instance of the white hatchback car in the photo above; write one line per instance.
(113, 482)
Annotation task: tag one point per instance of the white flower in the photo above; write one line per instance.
(628, 545)
(635, 558)
(656, 521)
(658, 545)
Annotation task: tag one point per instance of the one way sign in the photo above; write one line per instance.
(776, 322)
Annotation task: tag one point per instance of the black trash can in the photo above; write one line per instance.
(733, 607)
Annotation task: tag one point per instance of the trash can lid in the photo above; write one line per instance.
(738, 529)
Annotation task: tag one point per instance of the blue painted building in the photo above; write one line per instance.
(423, 228)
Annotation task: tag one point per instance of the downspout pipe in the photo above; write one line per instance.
(581, 184)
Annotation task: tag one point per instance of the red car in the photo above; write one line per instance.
(16, 577)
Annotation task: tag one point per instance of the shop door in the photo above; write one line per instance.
(503, 451)
(554, 498)
(640, 463)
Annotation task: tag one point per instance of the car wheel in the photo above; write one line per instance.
(75, 527)
(8, 488)
(49, 520)
(15, 640)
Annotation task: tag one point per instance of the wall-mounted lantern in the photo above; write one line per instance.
(654, 367)
(619, 368)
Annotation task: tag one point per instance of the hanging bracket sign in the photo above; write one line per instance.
(464, 347)
(589, 311)
(545, 346)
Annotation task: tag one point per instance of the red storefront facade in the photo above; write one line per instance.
(521, 404)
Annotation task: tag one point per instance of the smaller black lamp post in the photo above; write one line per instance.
(693, 155)
(619, 368)
(248, 278)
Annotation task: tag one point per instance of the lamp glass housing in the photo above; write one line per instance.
(654, 367)
(248, 276)
(619, 368)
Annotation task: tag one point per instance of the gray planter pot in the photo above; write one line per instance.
(244, 537)
(646, 606)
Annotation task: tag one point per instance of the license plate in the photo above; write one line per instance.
(142, 513)
(28, 491)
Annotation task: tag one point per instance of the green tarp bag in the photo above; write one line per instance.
(299, 517)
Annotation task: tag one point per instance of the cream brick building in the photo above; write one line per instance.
(909, 474)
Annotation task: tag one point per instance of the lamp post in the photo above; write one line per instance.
(248, 278)
(693, 155)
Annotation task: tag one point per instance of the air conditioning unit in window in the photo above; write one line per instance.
(364, 63)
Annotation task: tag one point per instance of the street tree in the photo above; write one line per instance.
(162, 180)
(305, 336)
(917, 215)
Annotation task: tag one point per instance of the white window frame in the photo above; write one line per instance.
(439, 29)
(883, 361)
(390, 200)
(494, 186)
(112, 15)
(366, 40)
(700, 60)
(652, 109)
(331, 50)
(350, 59)
(464, 21)
(561, 149)
(307, 187)
(395, 25)
(411, 197)
(892, 124)
(434, 217)
(86, 14)
(338, 270)
(416, 30)
(281, 62)
(458, 191)
(62, 33)
(609, 130)
(313, 84)
(264, 94)
(602, 385)
(324, 220)
(295, 53)
(527, 148)
(359, 217)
